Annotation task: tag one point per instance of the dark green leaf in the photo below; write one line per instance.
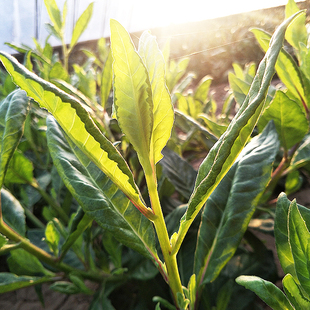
(13, 212)
(13, 112)
(98, 196)
(20, 170)
(76, 231)
(11, 282)
(281, 235)
(267, 291)
(65, 287)
(23, 263)
(299, 238)
(228, 210)
(179, 172)
(302, 155)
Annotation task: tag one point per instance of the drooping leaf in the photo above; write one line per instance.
(294, 293)
(286, 67)
(267, 291)
(100, 199)
(11, 282)
(81, 24)
(163, 115)
(299, 238)
(13, 111)
(132, 92)
(223, 154)
(284, 112)
(76, 122)
(13, 212)
(229, 208)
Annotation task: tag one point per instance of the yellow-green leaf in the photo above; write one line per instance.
(76, 122)
(163, 115)
(132, 92)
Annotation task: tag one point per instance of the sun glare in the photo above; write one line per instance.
(164, 12)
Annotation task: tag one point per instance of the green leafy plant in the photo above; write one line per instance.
(105, 190)
(292, 241)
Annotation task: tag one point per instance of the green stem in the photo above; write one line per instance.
(33, 218)
(174, 280)
(62, 214)
(45, 257)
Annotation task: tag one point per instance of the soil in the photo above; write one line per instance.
(27, 299)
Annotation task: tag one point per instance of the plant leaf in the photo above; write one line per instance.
(13, 212)
(20, 170)
(81, 24)
(284, 112)
(132, 92)
(172, 165)
(228, 147)
(52, 237)
(76, 122)
(23, 263)
(202, 91)
(11, 282)
(106, 80)
(54, 15)
(267, 291)
(302, 155)
(281, 236)
(13, 111)
(296, 31)
(299, 238)
(294, 294)
(286, 67)
(229, 208)
(100, 199)
(163, 115)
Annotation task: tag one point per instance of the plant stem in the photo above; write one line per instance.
(174, 280)
(62, 214)
(46, 257)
